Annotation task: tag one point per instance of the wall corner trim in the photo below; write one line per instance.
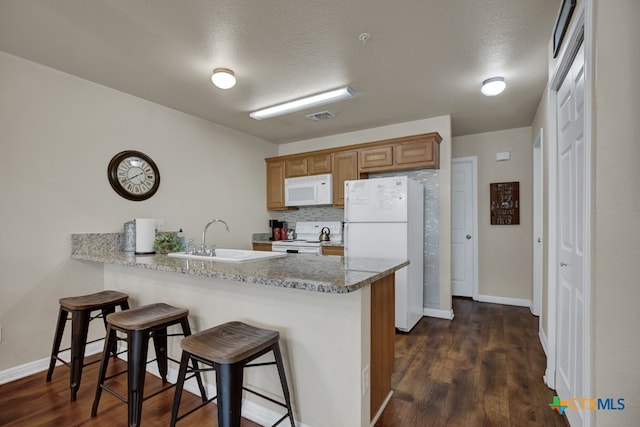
(441, 314)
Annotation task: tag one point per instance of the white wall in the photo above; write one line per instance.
(442, 125)
(57, 135)
(504, 251)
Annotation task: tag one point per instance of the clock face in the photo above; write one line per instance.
(133, 175)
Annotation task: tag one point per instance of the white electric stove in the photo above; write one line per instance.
(307, 239)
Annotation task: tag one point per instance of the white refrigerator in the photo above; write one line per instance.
(384, 219)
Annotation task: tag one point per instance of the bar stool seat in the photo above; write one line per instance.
(80, 308)
(228, 349)
(140, 324)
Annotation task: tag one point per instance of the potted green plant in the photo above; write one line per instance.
(167, 241)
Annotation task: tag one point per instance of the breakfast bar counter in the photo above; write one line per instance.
(335, 316)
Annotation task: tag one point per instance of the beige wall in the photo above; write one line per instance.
(504, 251)
(442, 125)
(57, 135)
(616, 208)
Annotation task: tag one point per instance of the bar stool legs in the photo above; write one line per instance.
(80, 309)
(229, 349)
(141, 324)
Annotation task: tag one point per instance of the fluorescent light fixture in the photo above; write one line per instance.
(303, 103)
(223, 78)
(493, 86)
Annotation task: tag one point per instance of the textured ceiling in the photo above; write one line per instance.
(425, 58)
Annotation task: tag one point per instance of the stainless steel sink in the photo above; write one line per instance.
(230, 255)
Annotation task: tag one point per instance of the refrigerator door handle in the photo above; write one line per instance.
(345, 227)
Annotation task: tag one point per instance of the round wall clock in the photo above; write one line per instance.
(133, 175)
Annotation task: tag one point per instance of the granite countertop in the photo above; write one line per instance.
(331, 274)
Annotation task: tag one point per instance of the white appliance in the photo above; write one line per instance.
(307, 239)
(308, 190)
(384, 219)
(146, 234)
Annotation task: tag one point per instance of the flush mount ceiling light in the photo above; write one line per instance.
(493, 86)
(223, 78)
(303, 103)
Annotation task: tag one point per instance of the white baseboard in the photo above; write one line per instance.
(543, 341)
(502, 300)
(41, 365)
(436, 312)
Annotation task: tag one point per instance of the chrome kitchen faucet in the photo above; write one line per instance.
(204, 237)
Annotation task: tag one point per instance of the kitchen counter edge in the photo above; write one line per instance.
(304, 272)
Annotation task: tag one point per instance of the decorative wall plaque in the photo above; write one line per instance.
(505, 203)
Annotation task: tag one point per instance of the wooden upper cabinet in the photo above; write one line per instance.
(345, 167)
(352, 162)
(412, 152)
(417, 152)
(308, 165)
(376, 157)
(319, 164)
(275, 184)
(296, 167)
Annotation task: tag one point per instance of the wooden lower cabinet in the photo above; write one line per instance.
(262, 247)
(333, 250)
(383, 333)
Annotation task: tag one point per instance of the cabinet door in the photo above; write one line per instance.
(262, 247)
(275, 184)
(319, 164)
(333, 250)
(376, 157)
(415, 152)
(345, 167)
(296, 167)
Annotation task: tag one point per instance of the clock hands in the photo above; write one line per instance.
(135, 176)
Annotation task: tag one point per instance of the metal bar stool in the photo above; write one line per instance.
(81, 308)
(228, 349)
(139, 324)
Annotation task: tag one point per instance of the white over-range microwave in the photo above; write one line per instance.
(311, 190)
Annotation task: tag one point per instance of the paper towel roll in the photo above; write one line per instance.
(145, 235)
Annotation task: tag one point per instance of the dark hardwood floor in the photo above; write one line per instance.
(34, 403)
(484, 368)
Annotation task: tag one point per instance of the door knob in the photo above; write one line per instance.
(468, 236)
(563, 264)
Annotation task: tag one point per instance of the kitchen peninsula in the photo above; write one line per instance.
(335, 316)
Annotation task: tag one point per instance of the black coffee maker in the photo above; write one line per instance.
(275, 224)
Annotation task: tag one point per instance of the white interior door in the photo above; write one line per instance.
(463, 214)
(571, 306)
(537, 226)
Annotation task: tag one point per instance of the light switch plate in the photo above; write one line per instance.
(502, 156)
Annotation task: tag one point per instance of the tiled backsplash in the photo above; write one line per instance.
(427, 177)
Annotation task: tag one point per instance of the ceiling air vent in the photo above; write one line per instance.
(322, 115)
